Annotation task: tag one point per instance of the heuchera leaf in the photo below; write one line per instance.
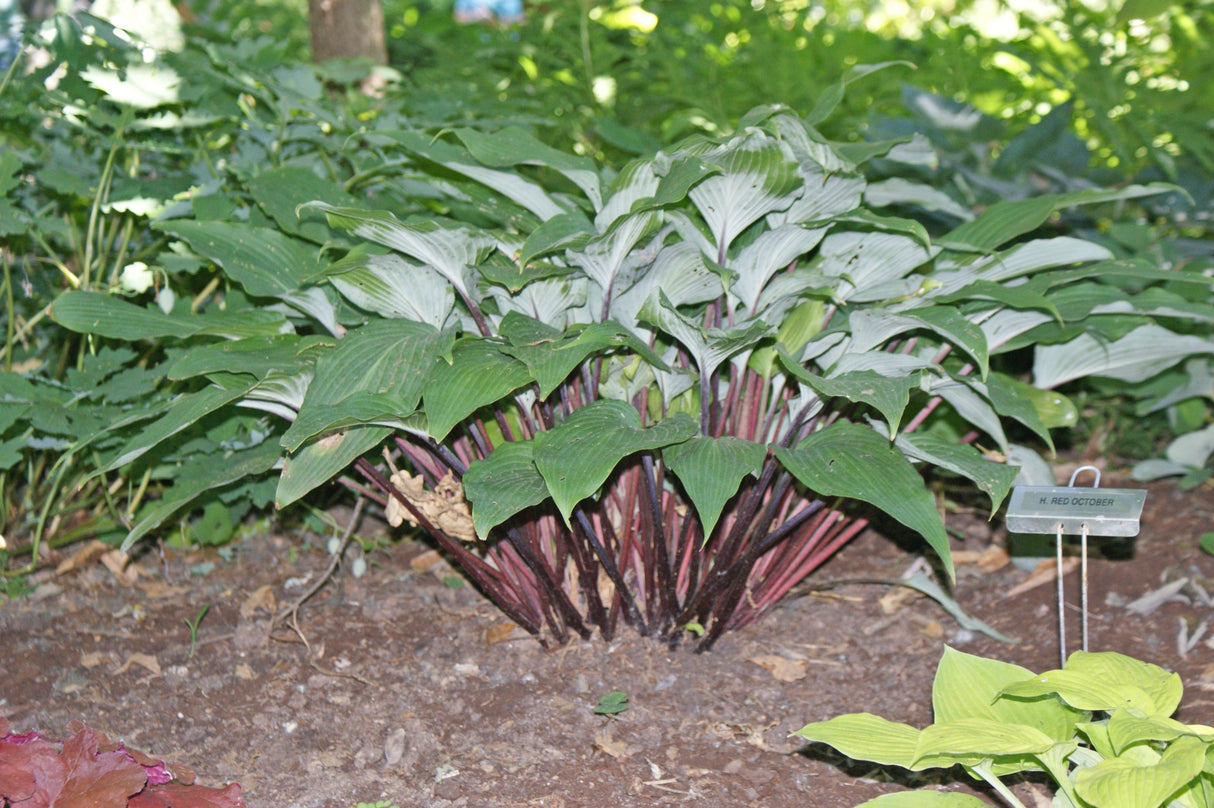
(179, 795)
(97, 778)
(853, 461)
(576, 456)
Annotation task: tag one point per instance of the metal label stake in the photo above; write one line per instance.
(1091, 511)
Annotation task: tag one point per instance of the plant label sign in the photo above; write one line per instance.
(1048, 509)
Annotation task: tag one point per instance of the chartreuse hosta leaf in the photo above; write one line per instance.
(1106, 681)
(925, 799)
(864, 736)
(853, 461)
(577, 455)
(1130, 782)
(711, 469)
(1128, 728)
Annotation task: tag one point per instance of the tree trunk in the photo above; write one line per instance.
(347, 29)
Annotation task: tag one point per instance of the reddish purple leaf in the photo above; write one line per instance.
(97, 779)
(31, 772)
(178, 795)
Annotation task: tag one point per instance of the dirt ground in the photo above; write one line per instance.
(416, 692)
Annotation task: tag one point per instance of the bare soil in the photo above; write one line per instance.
(417, 692)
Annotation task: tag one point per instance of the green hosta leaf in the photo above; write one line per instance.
(1124, 782)
(551, 354)
(393, 287)
(771, 252)
(509, 184)
(889, 395)
(831, 95)
(187, 410)
(381, 367)
(875, 327)
(968, 686)
(256, 356)
(577, 456)
(970, 400)
(512, 146)
(95, 313)
(265, 262)
(280, 191)
(759, 176)
(969, 740)
(203, 477)
(1138, 355)
(900, 191)
(711, 469)
(502, 484)
(866, 263)
(317, 462)
(993, 478)
(864, 736)
(1039, 410)
(449, 248)
(478, 374)
(708, 346)
(569, 230)
(853, 461)
(1004, 221)
(679, 270)
(603, 256)
(1023, 296)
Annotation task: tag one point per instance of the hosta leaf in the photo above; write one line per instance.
(204, 477)
(971, 401)
(889, 395)
(852, 461)
(512, 146)
(256, 356)
(709, 346)
(1017, 297)
(281, 190)
(449, 248)
(576, 456)
(95, 313)
(900, 191)
(1127, 782)
(509, 184)
(552, 354)
(265, 262)
(1134, 357)
(317, 462)
(602, 256)
(711, 469)
(682, 274)
(968, 686)
(867, 261)
(1163, 688)
(389, 359)
(925, 799)
(1007, 220)
(864, 736)
(872, 328)
(570, 230)
(1039, 410)
(478, 374)
(995, 479)
(1127, 729)
(759, 176)
(393, 287)
(972, 739)
(771, 252)
(187, 410)
(502, 484)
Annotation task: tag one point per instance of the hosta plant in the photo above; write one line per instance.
(1101, 729)
(660, 397)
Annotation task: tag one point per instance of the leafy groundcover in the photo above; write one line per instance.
(89, 771)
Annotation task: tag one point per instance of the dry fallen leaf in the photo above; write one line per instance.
(93, 659)
(159, 590)
(896, 598)
(989, 560)
(262, 598)
(145, 660)
(617, 749)
(119, 564)
(444, 507)
(83, 557)
(499, 633)
(1045, 573)
(784, 669)
(425, 561)
(243, 671)
(933, 629)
